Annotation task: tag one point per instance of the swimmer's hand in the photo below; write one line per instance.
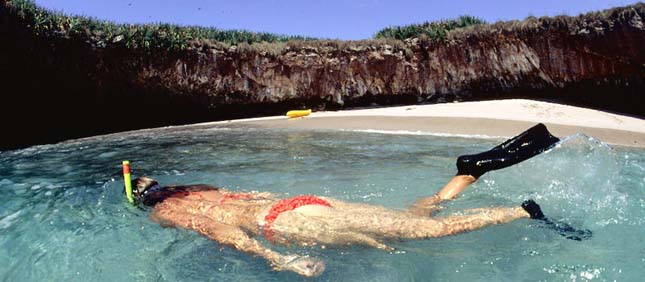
(303, 265)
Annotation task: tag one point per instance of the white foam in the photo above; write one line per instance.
(426, 133)
(107, 155)
(218, 129)
(8, 220)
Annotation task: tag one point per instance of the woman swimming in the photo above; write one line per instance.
(234, 219)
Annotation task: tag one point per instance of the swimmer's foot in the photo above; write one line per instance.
(527, 144)
(533, 209)
(565, 230)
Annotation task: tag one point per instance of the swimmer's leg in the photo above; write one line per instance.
(479, 218)
(427, 205)
(527, 144)
(421, 228)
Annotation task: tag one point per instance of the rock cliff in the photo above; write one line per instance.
(83, 85)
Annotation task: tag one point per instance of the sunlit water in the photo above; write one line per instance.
(63, 216)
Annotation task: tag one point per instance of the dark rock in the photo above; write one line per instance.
(71, 88)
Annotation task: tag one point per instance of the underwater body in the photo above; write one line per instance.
(64, 217)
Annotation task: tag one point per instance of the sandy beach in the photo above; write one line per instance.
(499, 118)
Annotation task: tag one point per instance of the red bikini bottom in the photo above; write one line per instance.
(288, 205)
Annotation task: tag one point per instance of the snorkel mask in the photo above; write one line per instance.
(136, 190)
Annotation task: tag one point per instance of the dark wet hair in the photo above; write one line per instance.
(141, 186)
(148, 191)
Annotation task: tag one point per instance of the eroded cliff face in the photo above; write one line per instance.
(596, 60)
(566, 63)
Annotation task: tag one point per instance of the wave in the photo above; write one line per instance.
(425, 133)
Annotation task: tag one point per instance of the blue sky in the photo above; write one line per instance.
(334, 19)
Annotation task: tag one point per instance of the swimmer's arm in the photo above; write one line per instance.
(235, 237)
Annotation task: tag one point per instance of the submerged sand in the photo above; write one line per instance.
(499, 118)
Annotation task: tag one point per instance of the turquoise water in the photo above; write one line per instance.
(63, 216)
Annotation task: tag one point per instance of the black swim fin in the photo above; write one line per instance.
(527, 144)
(562, 228)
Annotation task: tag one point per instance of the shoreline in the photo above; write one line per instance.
(493, 128)
(496, 118)
(483, 119)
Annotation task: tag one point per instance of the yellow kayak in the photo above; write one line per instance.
(298, 113)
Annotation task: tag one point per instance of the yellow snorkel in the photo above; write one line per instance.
(127, 181)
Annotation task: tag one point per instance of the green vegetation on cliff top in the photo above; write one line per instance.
(166, 37)
(433, 30)
(46, 23)
(148, 36)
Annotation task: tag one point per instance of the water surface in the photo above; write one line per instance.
(63, 216)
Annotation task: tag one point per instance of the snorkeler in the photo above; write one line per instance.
(234, 219)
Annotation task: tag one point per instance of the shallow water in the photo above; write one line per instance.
(63, 216)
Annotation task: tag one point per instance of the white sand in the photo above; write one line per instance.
(502, 118)
(497, 119)
(514, 110)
